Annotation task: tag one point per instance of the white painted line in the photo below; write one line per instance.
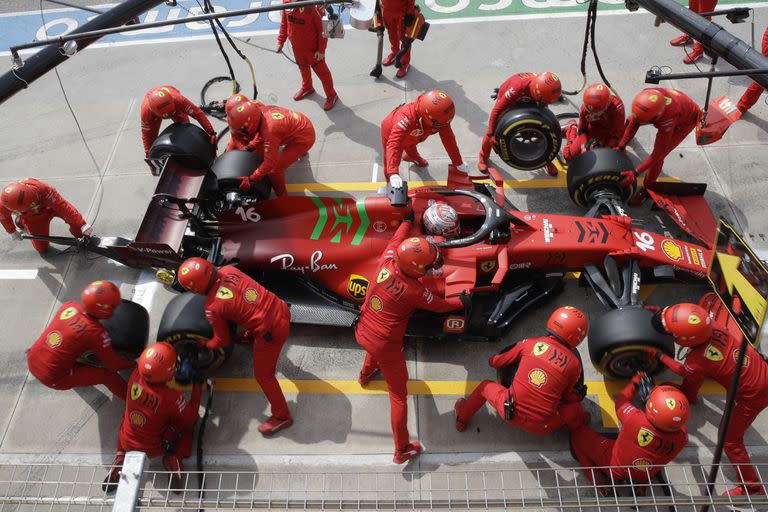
(375, 173)
(18, 273)
(145, 289)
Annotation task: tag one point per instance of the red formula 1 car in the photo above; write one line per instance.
(321, 253)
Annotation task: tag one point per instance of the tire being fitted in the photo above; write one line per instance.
(527, 137)
(187, 144)
(598, 169)
(129, 331)
(230, 166)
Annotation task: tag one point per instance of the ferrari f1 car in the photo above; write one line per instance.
(321, 253)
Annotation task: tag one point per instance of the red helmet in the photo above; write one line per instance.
(19, 197)
(597, 97)
(157, 364)
(234, 101)
(569, 325)
(546, 88)
(100, 298)
(436, 108)
(648, 105)
(245, 117)
(667, 408)
(440, 219)
(160, 102)
(196, 275)
(415, 256)
(688, 323)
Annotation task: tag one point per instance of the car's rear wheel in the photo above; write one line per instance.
(598, 171)
(527, 137)
(230, 166)
(618, 338)
(187, 144)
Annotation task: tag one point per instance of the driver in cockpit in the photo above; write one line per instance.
(441, 219)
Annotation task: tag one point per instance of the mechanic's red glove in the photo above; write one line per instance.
(638, 378)
(212, 345)
(492, 361)
(627, 178)
(652, 309)
(652, 353)
(213, 139)
(245, 184)
(620, 148)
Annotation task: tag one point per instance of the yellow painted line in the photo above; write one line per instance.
(603, 390)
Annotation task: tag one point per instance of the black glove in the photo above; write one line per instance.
(409, 216)
(495, 94)
(198, 378)
(466, 299)
(408, 19)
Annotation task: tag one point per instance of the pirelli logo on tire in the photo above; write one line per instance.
(357, 287)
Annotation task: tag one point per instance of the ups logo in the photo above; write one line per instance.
(357, 287)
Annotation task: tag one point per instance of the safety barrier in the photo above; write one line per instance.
(78, 487)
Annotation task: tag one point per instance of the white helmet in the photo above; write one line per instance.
(441, 219)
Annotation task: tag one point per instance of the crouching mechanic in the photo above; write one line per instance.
(713, 354)
(673, 114)
(390, 302)
(647, 439)
(543, 395)
(411, 124)
(272, 127)
(601, 122)
(544, 88)
(75, 329)
(234, 297)
(32, 205)
(158, 420)
(166, 102)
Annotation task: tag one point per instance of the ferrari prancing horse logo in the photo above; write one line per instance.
(540, 348)
(135, 391)
(224, 293)
(644, 437)
(383, 275)
(68, 313)
(713, 354)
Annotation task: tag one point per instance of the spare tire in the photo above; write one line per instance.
(527, 137)
(184, 324)
(128, 329)
(597, 170)
(230, 166)
(187, 144)
(617, 339)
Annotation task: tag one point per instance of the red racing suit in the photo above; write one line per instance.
(303, 27)
(606, 128)
(754, 90)
(638, 446)
(514, 91)
(235, 297)
(403, 129)
(52, 359)
(280, 127)
(716, 360)
(543, 389)
(156, 414)
(393, 13)
(390, 302)
(247, 141)
(675, 123)
(150, 123)
(37, 220)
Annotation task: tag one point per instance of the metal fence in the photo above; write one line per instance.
(69, 488)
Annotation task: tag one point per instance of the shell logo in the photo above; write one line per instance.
(251, 295)
(641, 463)
(53, 339)
(137, 419)
(537, 377)
(376, 304)
(672, 250)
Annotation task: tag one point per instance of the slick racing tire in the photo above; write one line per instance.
(230, 166)
(598, 170)
(187, 144)
(184, 324)
(527, 137)
(506, 375)
(129, 331)
(616, 340)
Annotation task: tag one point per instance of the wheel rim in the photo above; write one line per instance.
(528, 144)
(627, 364)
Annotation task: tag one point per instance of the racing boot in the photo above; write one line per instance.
(403, 71)
(551, 169)
(113, 477)
(389, 59)
(695, 55)
(172, 464)
(303, 93)
(418, 160)
(365, 378)
(745, 490)
(274, 425)
(411, 452)
(482, 164)
(681, 41)
(330, 102)
(461, 426)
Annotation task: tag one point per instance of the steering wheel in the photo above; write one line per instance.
(495, 216)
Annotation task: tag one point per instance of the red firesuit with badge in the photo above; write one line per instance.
(390, 302)
(674, 124)
(235, 297)
(606, 128)
(393, 13)
(638, 446)
(716, 360)
(754, 90)
(280, 127)
(543, 389)
(150, 123)
(37, 220)
(155, 415)
(303, 27)
(514, 91)
(52, 359)
(403, 129)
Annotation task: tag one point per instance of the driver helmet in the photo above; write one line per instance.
(441, 219)
(157, 364)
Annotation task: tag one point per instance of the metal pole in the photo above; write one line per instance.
(50, 57)
(655, 78)
(718, 40)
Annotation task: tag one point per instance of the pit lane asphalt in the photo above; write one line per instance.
(38, 138)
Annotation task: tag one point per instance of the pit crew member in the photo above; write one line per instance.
(395, 14)
(697, 6)
(754, 90)
(601, 122)
(234, 297)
